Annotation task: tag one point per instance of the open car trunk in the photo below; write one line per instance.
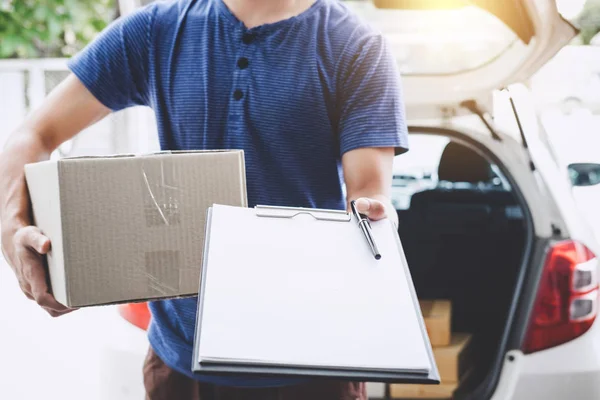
(465, 239)
(452, 51)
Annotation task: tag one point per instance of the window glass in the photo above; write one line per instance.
(416, 170)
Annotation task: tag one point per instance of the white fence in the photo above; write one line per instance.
(25, 83)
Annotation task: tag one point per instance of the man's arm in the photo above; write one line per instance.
(368, 176)
(372, 123)
(69, 109)
(111, 73)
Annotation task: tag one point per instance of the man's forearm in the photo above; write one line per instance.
(69, 109)
(368, 174)
(22, 148)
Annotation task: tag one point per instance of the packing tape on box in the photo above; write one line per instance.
(162, 202)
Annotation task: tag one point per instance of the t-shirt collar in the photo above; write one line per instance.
(225, 12)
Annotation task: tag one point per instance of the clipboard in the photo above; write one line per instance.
(254, 368)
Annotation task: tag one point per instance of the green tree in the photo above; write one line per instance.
(589, 21)
(51, 28)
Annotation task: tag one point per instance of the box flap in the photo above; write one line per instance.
(151, 154)
(43, 185)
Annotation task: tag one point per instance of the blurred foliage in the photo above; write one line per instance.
(51, 28)
(60, 28)
(589, 21)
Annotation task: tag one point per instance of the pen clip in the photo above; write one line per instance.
(365, 220)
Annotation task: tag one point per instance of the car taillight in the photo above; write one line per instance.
(137, 314)
(567, 297)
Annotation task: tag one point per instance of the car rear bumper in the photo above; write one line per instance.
(568, 371)
(579, 385)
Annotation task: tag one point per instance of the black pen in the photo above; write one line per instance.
(365, 227)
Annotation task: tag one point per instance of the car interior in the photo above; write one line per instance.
(464, 240)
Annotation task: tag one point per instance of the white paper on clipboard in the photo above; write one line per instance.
(301, 291)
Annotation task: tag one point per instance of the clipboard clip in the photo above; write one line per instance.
(290, 212)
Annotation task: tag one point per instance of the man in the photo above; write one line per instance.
(309, 92)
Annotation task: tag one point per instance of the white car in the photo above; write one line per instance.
(517, 258)
(585, 178)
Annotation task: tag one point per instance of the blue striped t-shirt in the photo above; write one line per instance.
(295, 95)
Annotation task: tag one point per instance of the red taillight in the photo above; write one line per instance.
(137, 314)
(567, 297)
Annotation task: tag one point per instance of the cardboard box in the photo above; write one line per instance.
(406, 391)
(375, 390)
(130, 228)
(451, 360)
(437, 315)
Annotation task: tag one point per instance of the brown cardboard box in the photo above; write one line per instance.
(437, 315)
(406, 391)
(450, 359)
(130, 228)
(451, 362)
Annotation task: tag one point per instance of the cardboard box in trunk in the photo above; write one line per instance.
(407, 391)
(130, 228)
(452, 360)
(437, 315)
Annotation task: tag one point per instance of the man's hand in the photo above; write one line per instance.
(65, 112)
(25, 251)
(374, 209)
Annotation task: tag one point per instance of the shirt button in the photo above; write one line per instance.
(238, 94)
(243, 63)
(248, 38)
